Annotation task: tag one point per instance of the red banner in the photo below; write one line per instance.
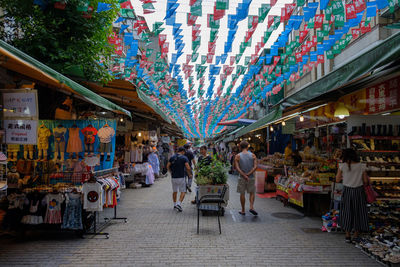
(383, 97)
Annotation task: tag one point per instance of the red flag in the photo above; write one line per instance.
(284, 16)
(276, 60)
(321, 59)
(273, 2)
(289, 9)
(299, 57)
(232, 60)
(350, 11)
(304, 49)
(254, 23)
(365, 29)
(319, 19)
(218, 13)
(314, 41)
(355, 33)
(359, 5)
(192, 2)
(126, 5)
(249, 34)
(148, 11)
(253, 59)
(303, 35)
(210, 58)
(188, 58)
(191, 19)
(270, 20)
(161, 39)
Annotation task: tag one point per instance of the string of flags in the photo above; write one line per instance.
(211, 78)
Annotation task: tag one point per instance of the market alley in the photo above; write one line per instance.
(156, 235)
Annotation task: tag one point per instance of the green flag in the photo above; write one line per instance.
(329, 54)
(326, 28)
(300, 2)
(292, 60)
(214, 24)
(203, 59)
(222, 4)
(338, 7)
(263, 12)
(194, 57)
(310, 24)
(148, 6)
(336, 49)
(320, 36)
(328, 13)
(213, 34)
(149, 52)
(195, 46)
(247, 60)
(196, 9)
(339, 20)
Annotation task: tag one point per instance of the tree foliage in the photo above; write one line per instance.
(64, 39)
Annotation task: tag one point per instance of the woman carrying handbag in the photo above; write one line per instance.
(353, 210)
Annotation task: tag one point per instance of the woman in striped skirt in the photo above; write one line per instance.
(353, 210)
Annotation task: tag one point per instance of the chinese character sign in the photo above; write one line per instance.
(384, 96)
(21, 131)
(21, 104)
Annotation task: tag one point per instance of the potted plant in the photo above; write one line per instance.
(211, 178)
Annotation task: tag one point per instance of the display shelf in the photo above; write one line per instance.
(378, 151)
(358, 137)
(381, 163)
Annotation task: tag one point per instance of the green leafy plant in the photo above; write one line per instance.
(214, 173)
(69, 40)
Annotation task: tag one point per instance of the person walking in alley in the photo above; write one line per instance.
(246, 165)
(177, 165)
(192, 164)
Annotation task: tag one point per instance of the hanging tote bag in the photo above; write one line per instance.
(370, 193)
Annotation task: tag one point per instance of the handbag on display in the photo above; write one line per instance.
(370, 193)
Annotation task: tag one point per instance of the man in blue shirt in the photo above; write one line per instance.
(177, 165)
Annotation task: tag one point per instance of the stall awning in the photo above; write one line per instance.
(261, 123)
(16, 60)
(237, 122)
(380, 55)
(151, 104)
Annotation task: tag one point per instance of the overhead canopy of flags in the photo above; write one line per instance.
(216, 60)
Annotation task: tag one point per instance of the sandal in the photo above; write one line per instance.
(253, 212)
(242, 213)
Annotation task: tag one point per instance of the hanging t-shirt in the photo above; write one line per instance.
(90, 134)
(105, 133)
(92, 196)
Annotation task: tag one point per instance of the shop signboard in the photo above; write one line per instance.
(20, 103)
(22, 132)
(383, 97)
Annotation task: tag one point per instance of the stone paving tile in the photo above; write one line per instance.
(156, 235)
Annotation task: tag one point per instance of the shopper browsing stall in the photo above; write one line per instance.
(246, 165)
(177, 165)
(203, 160)
(353, 212)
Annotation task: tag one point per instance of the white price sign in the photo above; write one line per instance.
(20, 103)
(22, 132)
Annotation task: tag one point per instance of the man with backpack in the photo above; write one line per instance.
(177, 165)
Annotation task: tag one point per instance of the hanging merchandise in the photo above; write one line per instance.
(92, 196)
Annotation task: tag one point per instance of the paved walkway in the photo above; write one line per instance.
(156, 235)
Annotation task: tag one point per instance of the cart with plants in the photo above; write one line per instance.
(211, 179)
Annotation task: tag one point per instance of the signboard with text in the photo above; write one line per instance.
(20, 103)
(21, 131)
